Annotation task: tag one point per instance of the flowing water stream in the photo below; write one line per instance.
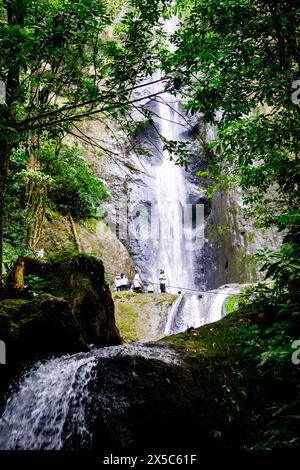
(195, 310)
(50, 408)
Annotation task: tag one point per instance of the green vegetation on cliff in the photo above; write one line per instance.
(241, 67)
(74, 61)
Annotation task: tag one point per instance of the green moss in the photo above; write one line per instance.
(218, 235)
(168, 299)
(124, 295)
(250, 237)
(251, 267)
(10, 307)
(210, 340)
(142, 317)
(126, 316)
(52, 215)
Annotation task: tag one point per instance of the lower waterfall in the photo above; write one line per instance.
(51, 408)
(195, 310)
(36, 413)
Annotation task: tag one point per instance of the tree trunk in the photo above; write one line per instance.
(7, 119)
(17, 275)
(5, 149)
(75, 234)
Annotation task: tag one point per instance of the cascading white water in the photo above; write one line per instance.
(35, 414)
(171, 199)
(49, 406)
(195, 310)
(175, 251)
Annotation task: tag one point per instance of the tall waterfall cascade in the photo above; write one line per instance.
(171, 192)
(175, 246)
(180, 226)
(176, 233)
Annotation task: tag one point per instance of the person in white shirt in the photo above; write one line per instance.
(117, 283)
(150, 288)
(137, 283)
(162, 281)
(123, 282)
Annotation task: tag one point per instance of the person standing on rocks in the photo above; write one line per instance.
(118, 283)
(150, 288)
(162, 281)
(137, 283)
(123, 282)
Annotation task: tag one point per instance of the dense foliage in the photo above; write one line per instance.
(239, 64)
(66, 182)
(75, 189)
(236, 62)
(64, 61)
(240, 61)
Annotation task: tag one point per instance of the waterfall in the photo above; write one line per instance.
(165, 206)
(52, 406)
(36, 413)
(195, 310)
(175, 254)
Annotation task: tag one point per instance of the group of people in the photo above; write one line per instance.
(122, 283)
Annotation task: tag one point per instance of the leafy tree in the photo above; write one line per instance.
(238, 61)
(63, 61)
(75, 189)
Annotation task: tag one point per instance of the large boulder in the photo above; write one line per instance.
(66, 307)
(80, 281)
(198, 390)
(94, 237)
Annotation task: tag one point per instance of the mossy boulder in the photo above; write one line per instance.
(198, 390)
(66, 307)
(80, 281)
(43, 326)
(47, 324)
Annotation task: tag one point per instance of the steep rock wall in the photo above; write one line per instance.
(230, 240)
(94, 237)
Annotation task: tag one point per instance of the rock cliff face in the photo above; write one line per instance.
(95, 238)
(230, 240)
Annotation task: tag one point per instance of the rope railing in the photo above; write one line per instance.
(211, 291)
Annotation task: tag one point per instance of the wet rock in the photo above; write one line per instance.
(152, 402)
